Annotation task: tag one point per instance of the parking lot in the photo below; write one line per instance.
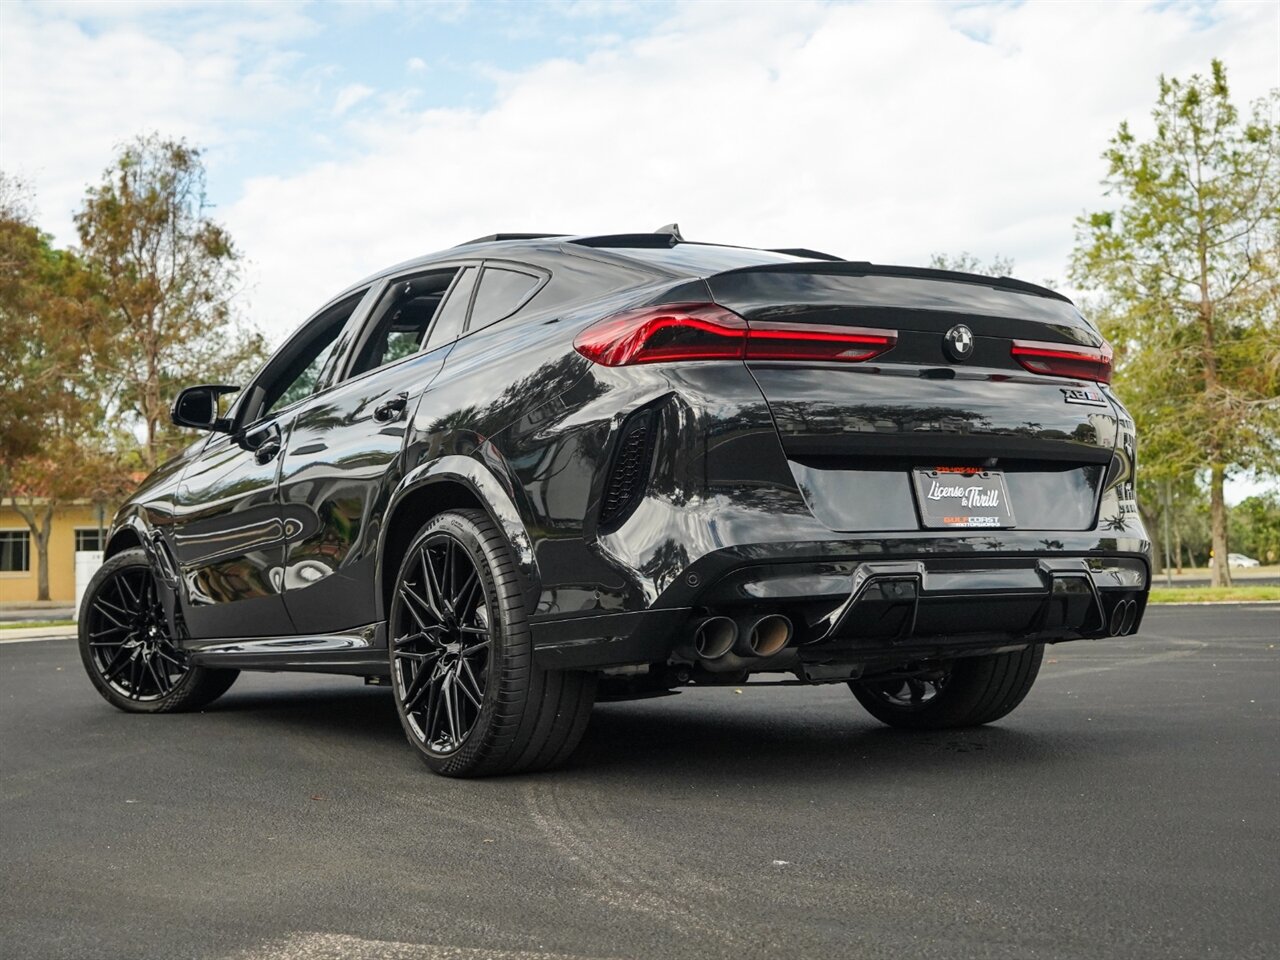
(1127, 809)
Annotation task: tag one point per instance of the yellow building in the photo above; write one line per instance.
(74, 527)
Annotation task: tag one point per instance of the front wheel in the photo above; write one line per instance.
(127, 649)
(469, 696)
(965, 692)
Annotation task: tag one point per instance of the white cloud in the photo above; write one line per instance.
(881, 132)
(416, 65)
(349, 96)
(78, 80)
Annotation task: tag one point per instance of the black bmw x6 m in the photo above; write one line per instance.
(536, 470)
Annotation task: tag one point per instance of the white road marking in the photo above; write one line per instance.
(337, 946)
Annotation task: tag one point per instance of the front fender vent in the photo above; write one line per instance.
(629, 472)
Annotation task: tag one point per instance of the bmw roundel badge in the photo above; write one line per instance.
(958, 342)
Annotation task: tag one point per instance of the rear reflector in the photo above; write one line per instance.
(707, 331)
(1065, 360)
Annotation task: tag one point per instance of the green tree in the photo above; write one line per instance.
(52, 445)
(168, 276)
(966, 262)
(1255, 527)
(1188, 268)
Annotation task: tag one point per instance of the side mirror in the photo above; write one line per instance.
(198, 407)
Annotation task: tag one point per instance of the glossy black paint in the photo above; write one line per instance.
(291, 524)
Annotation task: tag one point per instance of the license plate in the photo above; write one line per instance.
(964, 498)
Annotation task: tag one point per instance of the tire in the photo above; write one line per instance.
(459, 641)
(967, 692)
(126, 648)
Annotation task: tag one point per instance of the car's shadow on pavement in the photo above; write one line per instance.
(822, 746)
(635, 738)
(367, 714)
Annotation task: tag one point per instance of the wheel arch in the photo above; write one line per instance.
(125, 537)
(450, 483)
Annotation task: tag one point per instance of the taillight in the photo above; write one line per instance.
(806, 341)
(706, 331)
(678, 331)
(1065, 360)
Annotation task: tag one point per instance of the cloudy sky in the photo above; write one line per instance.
(343, 137)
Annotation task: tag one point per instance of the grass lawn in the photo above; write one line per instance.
(24, 624)
(1213, 594)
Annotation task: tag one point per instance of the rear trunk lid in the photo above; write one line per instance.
(864, 438)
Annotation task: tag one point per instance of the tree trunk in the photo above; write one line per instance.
(40, 529)
(1177, 547)
(1151, 520)
(1221, 576)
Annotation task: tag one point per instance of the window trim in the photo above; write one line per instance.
(367, 323)
(286, 352)
(478, 266)
(513, 266)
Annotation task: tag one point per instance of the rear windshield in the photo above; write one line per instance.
(700, 259)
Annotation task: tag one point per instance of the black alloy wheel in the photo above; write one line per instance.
(964, 692)
(129, 641)
(440, 650)
(469, 695)
(128, 649)
(910, 693)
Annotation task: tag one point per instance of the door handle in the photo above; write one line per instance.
(267, 450)
(265, 443)
(390, 410)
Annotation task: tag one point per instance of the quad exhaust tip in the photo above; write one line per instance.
(1123, 615)
(764, 636)
(715, 637)
(753, 637)
(1130, 615)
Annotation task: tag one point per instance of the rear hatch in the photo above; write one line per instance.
(974, 415)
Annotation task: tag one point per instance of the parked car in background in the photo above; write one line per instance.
(531, 470)
(1238, 560)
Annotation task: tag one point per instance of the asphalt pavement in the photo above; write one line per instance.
(1127, 809)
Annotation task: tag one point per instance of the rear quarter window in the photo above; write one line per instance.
(502, 291)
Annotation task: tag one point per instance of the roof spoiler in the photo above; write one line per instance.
(861, 268)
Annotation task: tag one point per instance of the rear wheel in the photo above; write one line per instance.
(960, 693)
(469, 695)
(127, 647)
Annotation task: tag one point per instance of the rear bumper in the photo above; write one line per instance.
(872, 609)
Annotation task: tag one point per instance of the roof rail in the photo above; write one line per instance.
(805, 252)
(498, 237)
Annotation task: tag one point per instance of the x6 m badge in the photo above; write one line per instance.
(1084, 395)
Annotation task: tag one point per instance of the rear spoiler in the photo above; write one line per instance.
(861, 268)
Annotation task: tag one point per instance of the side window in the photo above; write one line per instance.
(302, 364)
(502, 292)
(299, 380)
(398, 326)
(453, 314)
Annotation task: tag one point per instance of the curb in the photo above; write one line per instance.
(1212, 603)
(29, 634)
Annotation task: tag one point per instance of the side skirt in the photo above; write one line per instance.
(360, 652)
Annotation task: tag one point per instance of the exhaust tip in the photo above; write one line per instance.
(714, 637)
(1130, 615)
(769, 635)
(1117, 619)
